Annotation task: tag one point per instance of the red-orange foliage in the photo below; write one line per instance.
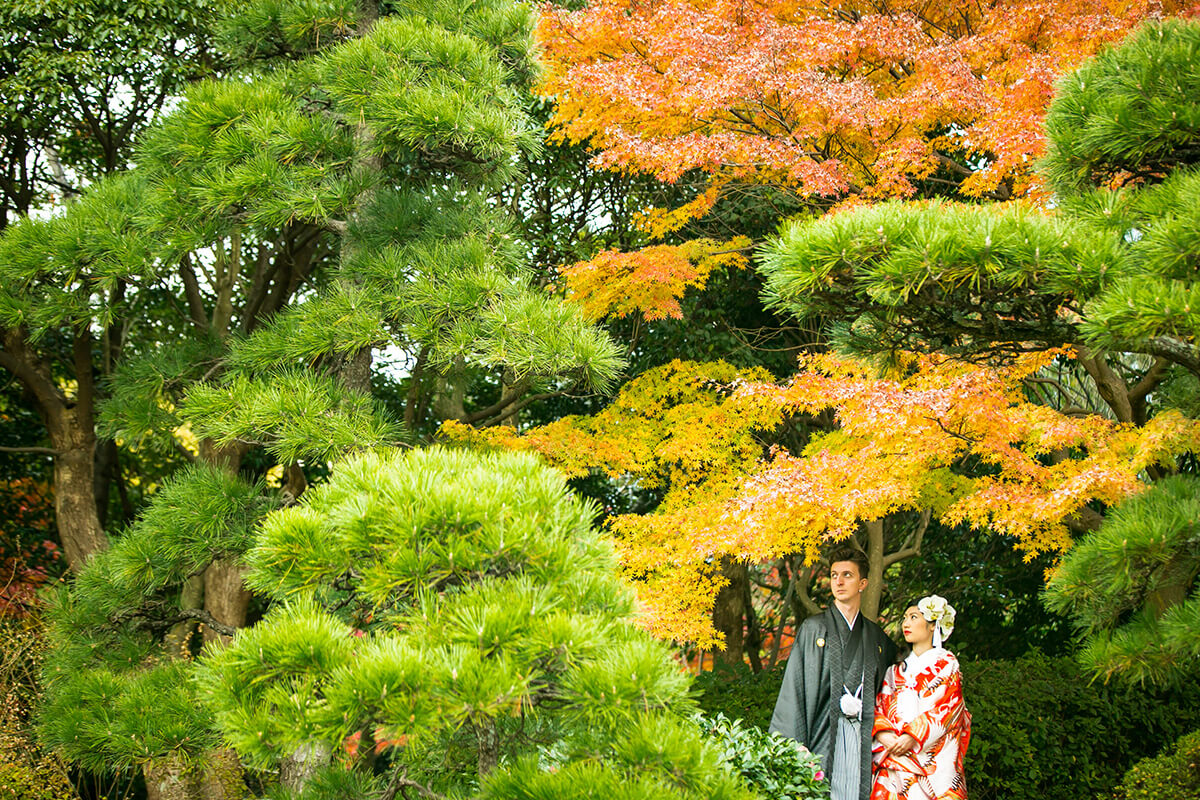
(29, 557)
(852, 97)
(697, 432)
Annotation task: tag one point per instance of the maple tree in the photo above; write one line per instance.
(833, 99)
(698, 433)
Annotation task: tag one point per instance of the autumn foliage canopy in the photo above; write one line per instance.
(836, 99)
(958, 440)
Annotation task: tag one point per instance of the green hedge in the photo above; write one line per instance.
(1041, 730)
(1174, 774)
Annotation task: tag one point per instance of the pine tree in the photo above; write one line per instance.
(450, 622)
(1131, 586)
(327, 200)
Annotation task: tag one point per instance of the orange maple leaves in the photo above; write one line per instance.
(957, 440)
(853, 97)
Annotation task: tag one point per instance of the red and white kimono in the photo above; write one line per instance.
(923, 698)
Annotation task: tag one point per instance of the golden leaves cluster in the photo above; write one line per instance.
(649, 281)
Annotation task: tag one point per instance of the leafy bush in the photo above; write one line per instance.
(1041, 729)
(1174, 774)
(770, 763)
(26, 772)
(740, 694)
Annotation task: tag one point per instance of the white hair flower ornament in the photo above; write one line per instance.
(937, 610)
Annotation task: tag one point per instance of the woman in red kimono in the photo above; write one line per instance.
(922, 726)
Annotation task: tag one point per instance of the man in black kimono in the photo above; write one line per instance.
(837, 666)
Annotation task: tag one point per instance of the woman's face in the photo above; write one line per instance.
(917, 630)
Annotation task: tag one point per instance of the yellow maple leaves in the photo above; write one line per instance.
(649, 281)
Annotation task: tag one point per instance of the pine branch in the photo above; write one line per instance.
(200, 615)
(400, 781)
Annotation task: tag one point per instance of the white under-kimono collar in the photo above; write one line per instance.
(849, 622)
(915, 663)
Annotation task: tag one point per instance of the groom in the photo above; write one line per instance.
(837, 665)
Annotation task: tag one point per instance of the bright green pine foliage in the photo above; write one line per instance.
(937, 275)
(1129, 585)
(350, 162)
(426, 596)
(1131, 110)
(385, 143)
(1111, 264)
(52, 270)
(113, 698)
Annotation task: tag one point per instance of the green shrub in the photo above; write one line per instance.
(1041, 730)
(740, 694)
(1174, 774)
(770, 763)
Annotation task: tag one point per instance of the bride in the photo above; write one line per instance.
(922, 725)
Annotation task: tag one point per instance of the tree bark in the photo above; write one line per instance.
(177, 642)
(728, 612)
(170, 779)
(451, 393)
(298, 769)
(874, 591)
(70, 427)
(488, 739)
(78, 522)
(225, 597)
(1112, 388)
(222, 778)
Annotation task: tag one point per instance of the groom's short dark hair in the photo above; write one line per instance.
(848, 552)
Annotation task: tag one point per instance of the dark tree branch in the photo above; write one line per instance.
(202, 616)
(191, 290)
(912, 545)
(516, 407)
(44, 451)
(401, 781)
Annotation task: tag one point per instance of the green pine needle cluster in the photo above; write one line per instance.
(960, 273)
(1130, 586)
(296, 415)
(114, 698)
(1132, 110)
(424, 594)
(266, 31)
(52, 270)
(140, 410)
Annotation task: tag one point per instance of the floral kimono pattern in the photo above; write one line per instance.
(923, 698)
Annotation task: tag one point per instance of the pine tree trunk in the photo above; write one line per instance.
(451, 393)
(70, 426)
(488, 739)
(297, 770)
(222, 778)
(728, 612)
(170, 779)
(79, 528)
(177, 642)
(225, 597)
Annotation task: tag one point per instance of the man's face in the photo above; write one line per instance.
(845, 581)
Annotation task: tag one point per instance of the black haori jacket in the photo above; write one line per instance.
(809, 701)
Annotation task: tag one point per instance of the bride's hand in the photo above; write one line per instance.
(902, 745)
(887, 739)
